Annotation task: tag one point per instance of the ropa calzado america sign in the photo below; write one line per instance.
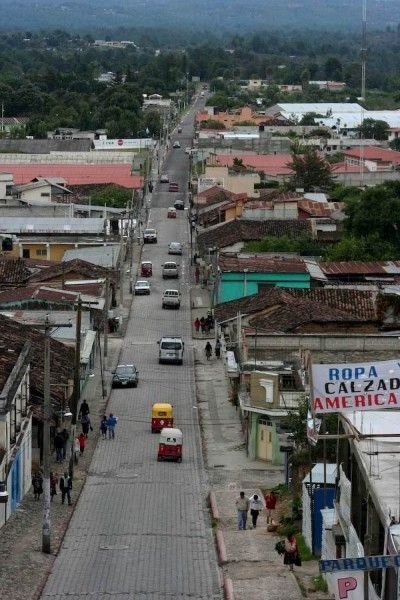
(360, 386)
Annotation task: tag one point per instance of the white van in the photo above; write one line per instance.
(171, 350)
(170, 270)
(171, 299)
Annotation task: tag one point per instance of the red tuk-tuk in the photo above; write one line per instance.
(161, 416)
(170, 446)
(146, 268)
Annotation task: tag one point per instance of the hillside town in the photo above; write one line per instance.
(273, 386)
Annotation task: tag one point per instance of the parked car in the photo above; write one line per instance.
(170, 270)
(171, 299)
(188, 150)
(179, 129)
(179, 205)
(164, 178)
(173, 187)
(150, 236)
(176, 144)
(171, 212)
(142, 287)
(175, 248)
(125, 376)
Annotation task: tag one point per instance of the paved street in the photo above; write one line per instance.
(141, 528)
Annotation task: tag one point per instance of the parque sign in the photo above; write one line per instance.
(362, 563)
(360, 386)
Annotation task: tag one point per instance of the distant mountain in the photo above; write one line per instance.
(214, 15)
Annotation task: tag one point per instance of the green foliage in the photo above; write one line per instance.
(367, 248)
(374, 129)
(319, 584)
(211, 124)
(304, 550)
(112, 196)
(311, 172)
(310, 118)
(303, 245)
(395, 144)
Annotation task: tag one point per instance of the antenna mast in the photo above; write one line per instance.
(364, 48)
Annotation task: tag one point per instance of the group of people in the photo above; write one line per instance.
(291, 555)
(205, 324)
(107, 426)
(64, 484)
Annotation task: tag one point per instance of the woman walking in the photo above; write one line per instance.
(291, 555)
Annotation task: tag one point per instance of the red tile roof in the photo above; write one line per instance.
(119, 174)
(269, 163)
(13, 271)
(319, 209)
(261, 264)
(374, 153)
(76, 265)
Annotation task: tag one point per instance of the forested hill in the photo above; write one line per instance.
(214, 15)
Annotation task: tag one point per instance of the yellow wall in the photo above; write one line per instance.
(53, 251)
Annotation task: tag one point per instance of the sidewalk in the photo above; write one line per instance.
(249, 563)
(23, 567)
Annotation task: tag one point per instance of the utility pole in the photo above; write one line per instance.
(46, 525)
(121, 266)
(105, 318)
(77, 382)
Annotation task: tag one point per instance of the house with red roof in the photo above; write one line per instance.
(373, 158)
(75, 174)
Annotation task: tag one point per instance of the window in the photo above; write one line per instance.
(9, 190)
(41, 252)
(45, 194)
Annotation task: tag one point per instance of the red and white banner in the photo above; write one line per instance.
(358, 386)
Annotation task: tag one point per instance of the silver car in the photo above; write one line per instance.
(142, 287)
(175, 248)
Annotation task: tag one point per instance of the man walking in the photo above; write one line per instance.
(242, 506)
(270, 504)
(111, 423)
(65, 437)
(59, 446)
(65, 486)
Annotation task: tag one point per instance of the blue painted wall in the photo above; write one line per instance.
(234, 285)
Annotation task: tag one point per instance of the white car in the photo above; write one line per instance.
(142, 287)
(171, 299)
(164, 178)
(150, 236)
(188, 150)
(176, 144)
(175, 248)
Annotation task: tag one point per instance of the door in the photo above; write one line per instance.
(264, 440)
(26, 253)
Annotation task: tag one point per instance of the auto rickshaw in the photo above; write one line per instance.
(146, 269)
(171, 212)
(170, 446)
(161, 416)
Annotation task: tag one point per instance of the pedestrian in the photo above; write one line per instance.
(256, 507)
(242, 506)
(103, 427)
(65, 437)
(86, 424)
(218, 348)
(210, 321)
(84, 410)
(59, 446)
(291, 554)
(53, 485)
(270, 504)
(206, 326)
(197, 324)
(65, 486)
(82, 443)
(77, 450)
(208, 350)
(197, 274)
(111, 423)
(37, 482)
(203, 324)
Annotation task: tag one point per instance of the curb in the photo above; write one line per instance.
(213, 506)
(219, 538)
(228, 589)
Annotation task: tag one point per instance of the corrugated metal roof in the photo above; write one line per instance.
(261, 264)
(50, 225)
(103, 256)
(356, 267)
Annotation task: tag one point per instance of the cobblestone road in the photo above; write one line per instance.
(141, 529)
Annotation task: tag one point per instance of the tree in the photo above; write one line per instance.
(395, 144)
(112, 195)
(377, 212)
(309, 118)
(362, 249)
(374, 129)
(310, 171)
(333, 69)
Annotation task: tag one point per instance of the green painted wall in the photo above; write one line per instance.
(234, 285)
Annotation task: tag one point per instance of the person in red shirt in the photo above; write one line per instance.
(82, 442)
(270, 504)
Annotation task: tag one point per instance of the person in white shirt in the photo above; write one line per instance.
(256, 506)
